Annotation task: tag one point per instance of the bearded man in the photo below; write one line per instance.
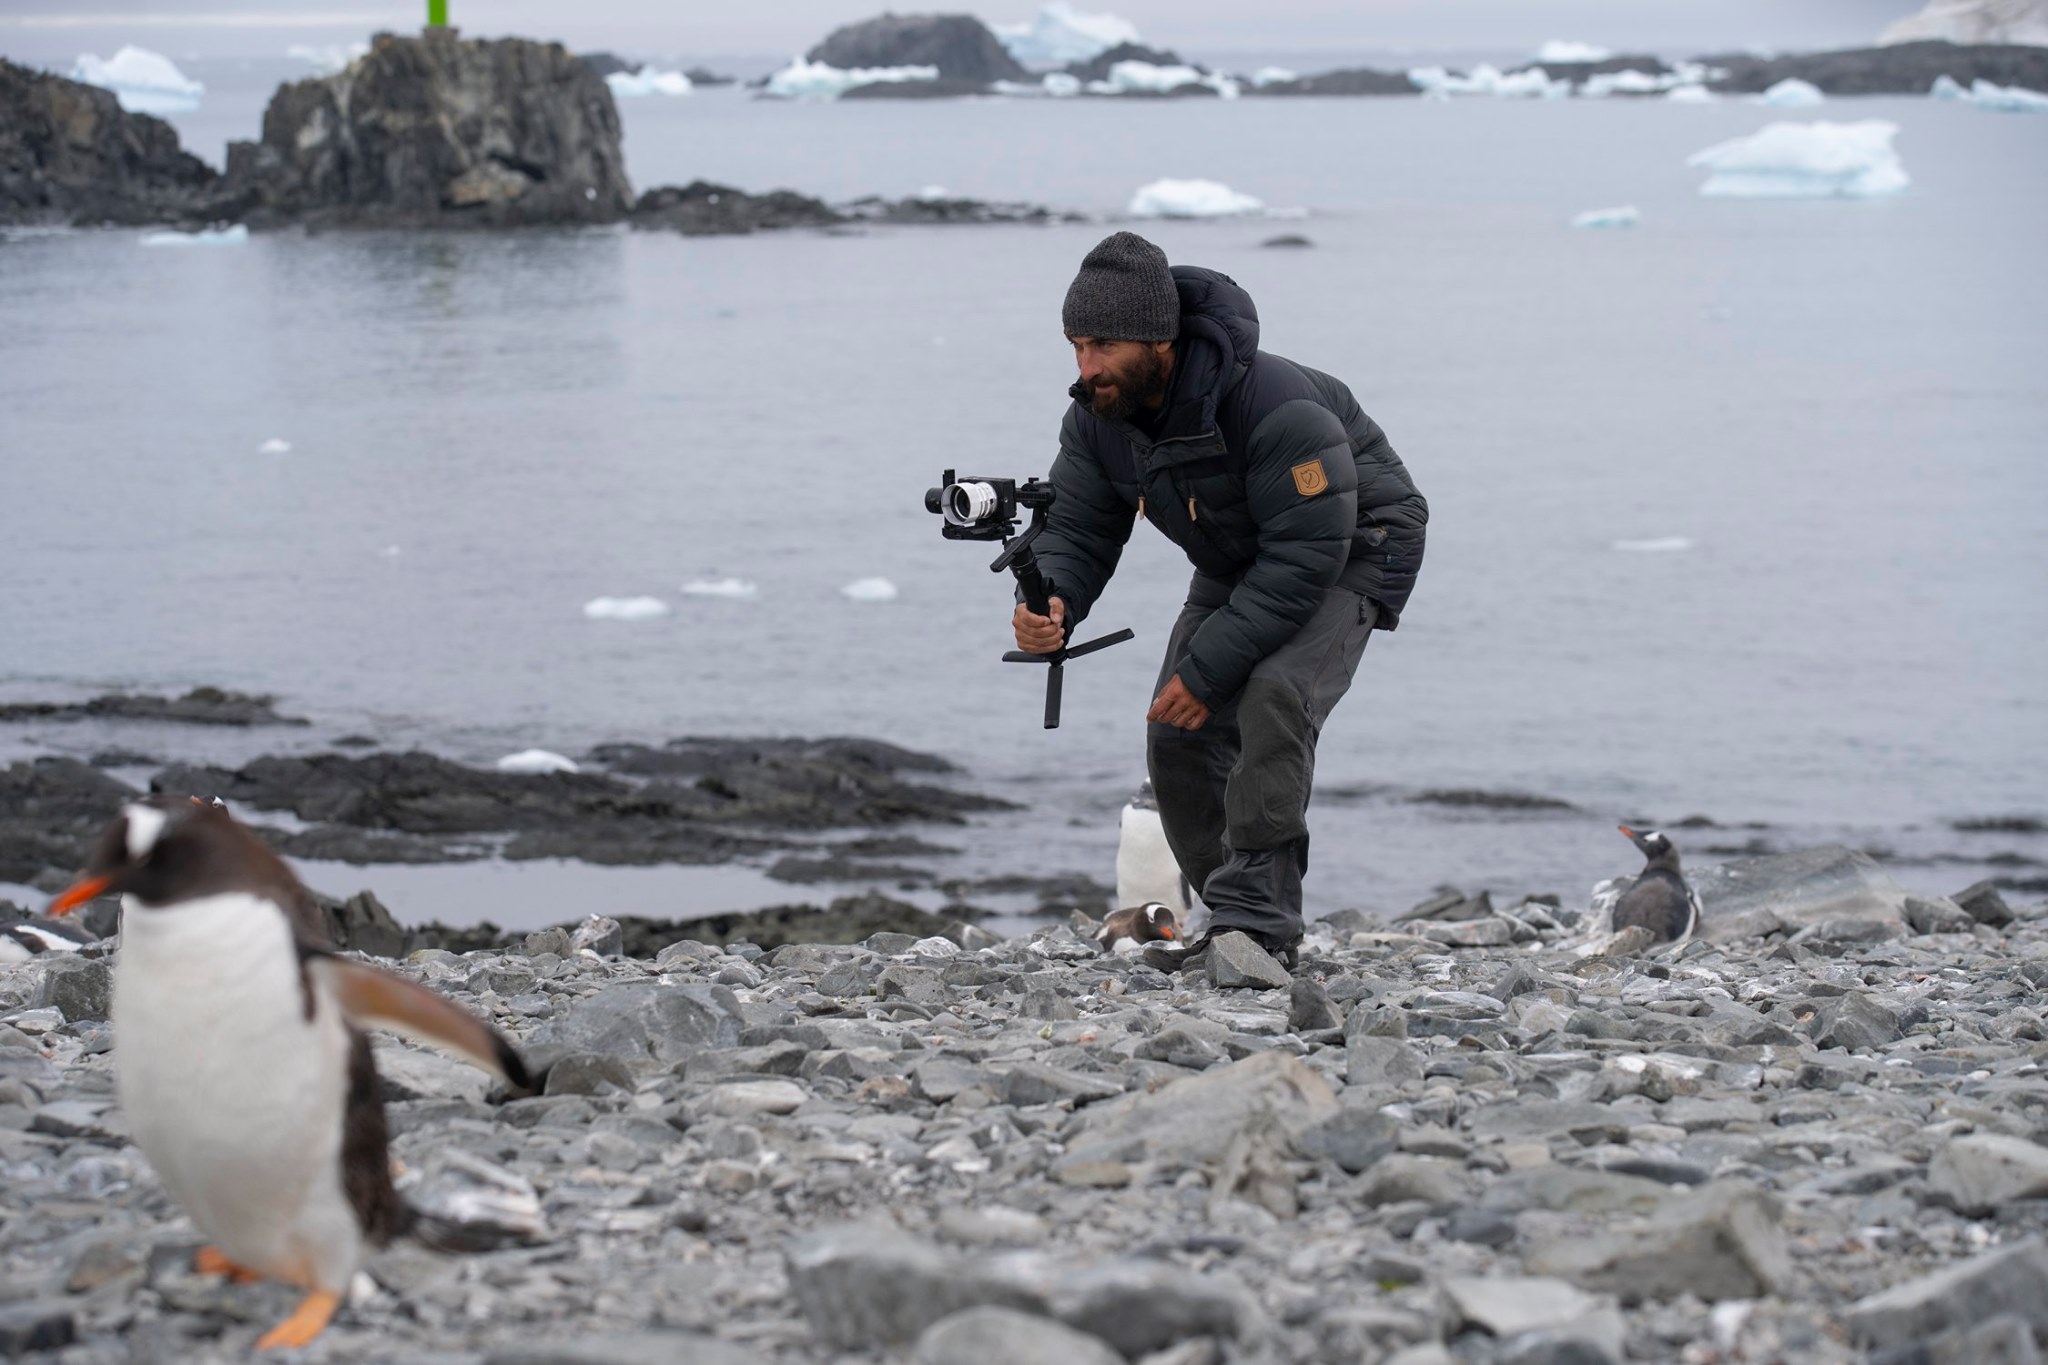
(1305, 532)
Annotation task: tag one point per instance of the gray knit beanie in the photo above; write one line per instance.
(1123, 293)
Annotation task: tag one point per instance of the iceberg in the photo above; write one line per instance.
(624, 608)
(1191, 199)
(1272, 75)
(1483, 79)
(869, 590)
(227, 236)
(1061, 85)
(535, 761)
(1691, 94)
(1684, 75)
(1805, 160)
(647, 81)
(329, 58)
(1947, 88)
(1562, 50)
(2004, 99)
(1061, 36)
(276, 445)
(144, 82)
(1145, 78)
(1624, 216)
(802, 80)
(720, 587)
(1792, 93)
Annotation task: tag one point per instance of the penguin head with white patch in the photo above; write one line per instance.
(157, 850)
(1656, 846)
(1161, 921)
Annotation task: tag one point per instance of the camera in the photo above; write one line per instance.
(982, 508)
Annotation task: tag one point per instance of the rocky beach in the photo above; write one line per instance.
(1813, 1134)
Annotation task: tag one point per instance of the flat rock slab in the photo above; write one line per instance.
(1751, 895)
(642, 1023)
(1003, 1336)
(1194, 1120)
(1982, 1172)
(1509, 1306)
(2007, 1280)
(1718, 1242)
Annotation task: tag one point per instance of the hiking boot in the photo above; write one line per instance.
(1195, 957)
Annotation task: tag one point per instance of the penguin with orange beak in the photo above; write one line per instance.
(1661, 900)
(242, 1063)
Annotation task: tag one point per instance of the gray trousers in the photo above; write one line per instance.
(1233, 795)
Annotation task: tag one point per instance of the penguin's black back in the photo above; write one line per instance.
(1659, 902)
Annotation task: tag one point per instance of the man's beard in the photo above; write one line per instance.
(1137, 389)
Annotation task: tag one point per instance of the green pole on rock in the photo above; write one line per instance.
(437, 13)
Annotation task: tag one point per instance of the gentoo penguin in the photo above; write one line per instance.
(1139, 924)
(1146, 871)
(29, 938)
(1661, 900)
(240, 1055)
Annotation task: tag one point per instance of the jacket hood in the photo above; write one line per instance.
(1219, 336)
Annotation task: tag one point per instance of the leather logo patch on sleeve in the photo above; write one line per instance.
(1309, 478)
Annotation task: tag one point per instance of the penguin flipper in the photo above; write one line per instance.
(372, 998)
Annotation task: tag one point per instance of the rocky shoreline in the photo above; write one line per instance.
(1814, 1135)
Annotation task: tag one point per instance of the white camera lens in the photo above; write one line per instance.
(968, 503)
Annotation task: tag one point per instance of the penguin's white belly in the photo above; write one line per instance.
(1147, 871)
(231, 1092)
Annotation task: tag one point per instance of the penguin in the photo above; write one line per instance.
(1661, 900)
(29, 938)
(241, 1060)
(1146, 871)
(1139, 924)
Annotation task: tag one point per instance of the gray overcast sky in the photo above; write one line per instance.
(42, 29)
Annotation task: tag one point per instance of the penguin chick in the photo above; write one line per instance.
(1139, 924)
(1661, 900)
(241, 1059)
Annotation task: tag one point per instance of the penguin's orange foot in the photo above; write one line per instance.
(307, 1321)
(213, 1261)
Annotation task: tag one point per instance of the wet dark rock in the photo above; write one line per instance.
(27, 1327)
(1287, 239)
(77, 987)
(70, 154)
(1360, 80)
(944, 211)
(1900, 69)
(2001, 824)
(703, 209)
(1784, 891)
(1097, 68)
(1466, 798)
(835, 867)
(944, 88)
(433, 130)
(1982, 902)
(200, 706)
(959, 45)
(51, 811)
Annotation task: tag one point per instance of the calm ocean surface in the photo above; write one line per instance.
(1839, 409)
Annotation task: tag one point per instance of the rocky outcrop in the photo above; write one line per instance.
(200, 706)
(959, 45)
(70, 154)
(1902, 69)
(435, 131)
(1362, 80)
(1096, 68)
(1974, 21)
(702, 209)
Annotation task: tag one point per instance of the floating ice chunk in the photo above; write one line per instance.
(2007, 99)
(624, 608)
(1601, 84)
(1947, 87)
(1792, 93)
(802, 80)
(144, 82)
(1062, 35)
(720, 587)
(276, 445)
(327, 58)
(1272, 75)
(1692, 94)
(933, 194)
(1061, 85)
(1145, 78)
(1655, 545)
(647, 81)
(1483, 79)
(1805, 160)
(535, 761)
(1191, 199)
(869, 590)
(1622, 216)
(1566, 50)
(227, 236)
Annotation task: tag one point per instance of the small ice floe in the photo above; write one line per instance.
(144, 82)
(1691, 94)
(1805, 160)
(624, 608)
(933, 194)
(1484, 79)
(1654, 545)
(1147, 78)
(1191, 199)
(721, 587)
(805, 80)
(276, 445)
(869, 590)
(1272, 75)
(1621, 216)
(647, 81)
(1061, 84)
(1792, 93)
(327, 58)
(1999, 99)
(237, 235)
(1629, 81)
(1562, 50)
(1061, 35)
(535, 761)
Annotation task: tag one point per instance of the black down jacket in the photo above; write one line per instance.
(1266, 472)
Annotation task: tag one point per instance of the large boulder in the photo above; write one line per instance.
(1790, 891)
(959, 45)
(433, 131)
(70, 154)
